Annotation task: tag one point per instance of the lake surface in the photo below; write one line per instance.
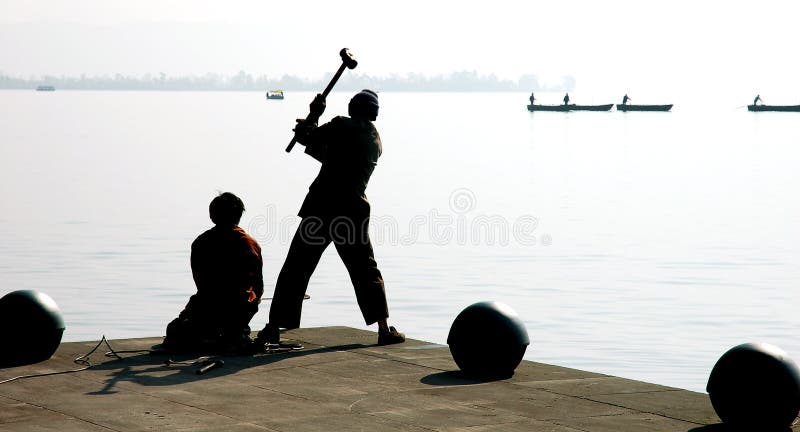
(642, 245)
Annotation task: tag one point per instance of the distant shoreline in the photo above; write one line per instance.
(286, 91)
(464, 81)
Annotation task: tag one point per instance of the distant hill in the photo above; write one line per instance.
(463, 81)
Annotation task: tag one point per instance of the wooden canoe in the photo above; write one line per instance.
(548, 107)
(628, 107)
(784, 108)
(570, 107)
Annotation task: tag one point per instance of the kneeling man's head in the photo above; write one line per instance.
(226, 209)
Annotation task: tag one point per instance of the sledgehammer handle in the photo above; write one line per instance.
(314, 118)
(347, 62)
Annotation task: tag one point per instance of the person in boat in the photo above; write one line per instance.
(532, 99)
(757, 100)
(566, 99)
(336, 211)
(227, 270)
(625, 99)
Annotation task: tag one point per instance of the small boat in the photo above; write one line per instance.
(275, 94)
(784, 108)
(629, 107)
(604, 107)
(45, 88)
(532, 107)
(570, 107)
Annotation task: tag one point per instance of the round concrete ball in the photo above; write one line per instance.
(488, 339)
(756, 386)
(30, 327)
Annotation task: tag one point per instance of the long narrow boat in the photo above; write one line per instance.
(548, 107)
(627, 107)
(604, 107)
(570, 107)
(785, 108)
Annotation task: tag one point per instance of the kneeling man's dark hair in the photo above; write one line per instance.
(226, 209)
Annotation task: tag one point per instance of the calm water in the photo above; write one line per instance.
(636, 244)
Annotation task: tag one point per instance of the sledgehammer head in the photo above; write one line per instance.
(348, 59)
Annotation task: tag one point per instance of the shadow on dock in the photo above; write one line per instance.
(173, 369)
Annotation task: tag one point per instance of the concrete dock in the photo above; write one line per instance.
(340, 381)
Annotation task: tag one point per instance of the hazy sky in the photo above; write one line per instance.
(708, 45)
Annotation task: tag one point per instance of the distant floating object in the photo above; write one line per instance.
(628, 107)
(784, 108)
(45, 88)
(275, 94)
(570, 107)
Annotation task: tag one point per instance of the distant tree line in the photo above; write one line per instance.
(463, 81)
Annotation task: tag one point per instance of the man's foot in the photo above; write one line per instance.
(390, 336)
(269, 335)
(285, 345)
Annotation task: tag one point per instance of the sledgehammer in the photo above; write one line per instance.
(348, 61)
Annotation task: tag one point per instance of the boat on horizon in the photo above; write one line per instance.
(275, 94)
(782, 108)
(45, 88)
(570, 107)
(630, 107)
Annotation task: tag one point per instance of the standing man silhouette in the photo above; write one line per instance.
(335, 211)
(566, 99)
